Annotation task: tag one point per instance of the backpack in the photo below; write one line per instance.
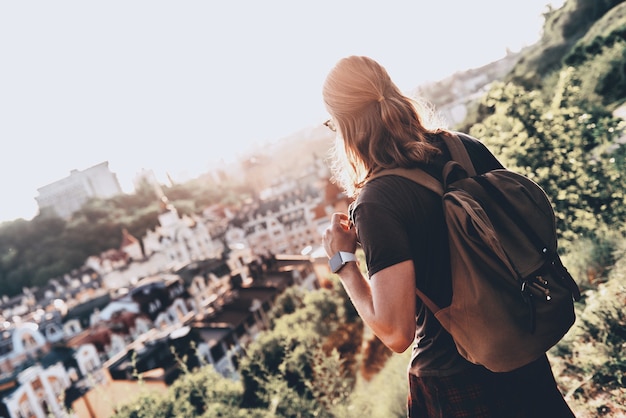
(512, 298)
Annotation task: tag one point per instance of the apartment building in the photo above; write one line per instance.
(69, 194)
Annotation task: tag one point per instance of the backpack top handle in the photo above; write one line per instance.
(459, 153)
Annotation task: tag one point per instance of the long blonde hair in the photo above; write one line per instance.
(378, 126)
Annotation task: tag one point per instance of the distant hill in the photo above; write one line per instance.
(452, 96)
(578, 20)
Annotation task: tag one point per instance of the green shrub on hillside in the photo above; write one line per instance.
(201, 393)
(589, 259)
(287, 360)
(566, 145)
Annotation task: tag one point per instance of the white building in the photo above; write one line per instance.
(68, 195)
(176, 241)
(40, 393)
(183, 239)
(284, 224)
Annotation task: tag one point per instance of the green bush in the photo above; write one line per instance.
(589, 259)
(283, 360)
(201, 393)
(567, 146)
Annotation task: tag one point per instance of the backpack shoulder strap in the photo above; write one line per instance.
(459, 153)
(419, 176)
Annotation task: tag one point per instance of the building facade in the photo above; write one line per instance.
(69, 194)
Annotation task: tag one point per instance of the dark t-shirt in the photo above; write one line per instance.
(399, 220)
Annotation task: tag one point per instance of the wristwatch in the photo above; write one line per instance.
(340, 259)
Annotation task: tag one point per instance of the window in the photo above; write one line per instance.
(217, 352)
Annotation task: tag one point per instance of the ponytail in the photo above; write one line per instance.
(378, 126)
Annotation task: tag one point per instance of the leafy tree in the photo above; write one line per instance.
(142, 220)
(611, 87)
(566, 145)
(146, 405)
(287, 303)
(290, 351)
(28, 247)
(202, 393)
(583, 13)
(332, 383)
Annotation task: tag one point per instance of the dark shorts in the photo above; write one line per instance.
(529, 392)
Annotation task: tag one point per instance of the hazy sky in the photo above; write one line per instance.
(174, 86)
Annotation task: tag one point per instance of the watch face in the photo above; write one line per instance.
(340, 259)
(336, 263)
